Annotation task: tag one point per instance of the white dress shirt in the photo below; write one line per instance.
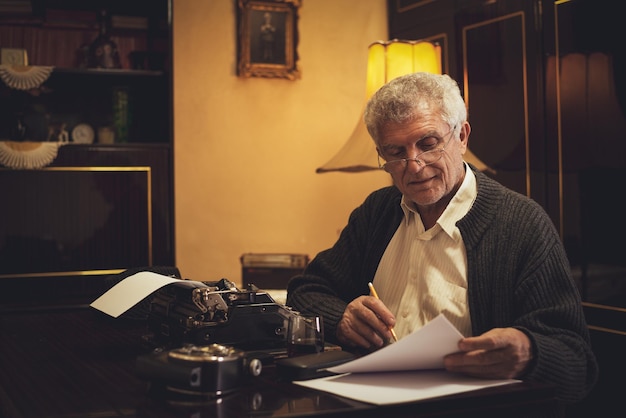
(424, 273)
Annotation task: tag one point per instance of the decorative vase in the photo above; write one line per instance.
(103, 51)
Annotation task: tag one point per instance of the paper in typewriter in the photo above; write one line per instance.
(132, 290)
(406, 371)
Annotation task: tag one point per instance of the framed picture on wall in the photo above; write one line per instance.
(267, 38)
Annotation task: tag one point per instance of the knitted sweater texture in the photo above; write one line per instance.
(518, 276)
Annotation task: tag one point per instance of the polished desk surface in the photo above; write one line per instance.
(81, 363)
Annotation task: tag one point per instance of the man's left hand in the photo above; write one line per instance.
(501, 353)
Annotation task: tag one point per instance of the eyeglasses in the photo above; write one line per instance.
(423, 159)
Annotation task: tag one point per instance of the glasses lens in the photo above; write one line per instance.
(394, 165)
(430, 157)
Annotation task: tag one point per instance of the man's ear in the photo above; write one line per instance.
(464, 133)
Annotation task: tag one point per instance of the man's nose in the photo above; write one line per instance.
(414, 164)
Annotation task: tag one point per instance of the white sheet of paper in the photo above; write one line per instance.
(423, 349)
(406, 371)
(399, 387)
(132, 290)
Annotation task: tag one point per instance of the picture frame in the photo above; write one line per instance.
(267, 38)
(13, 56)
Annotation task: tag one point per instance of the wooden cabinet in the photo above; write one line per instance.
(105, 202)
(129, 95)
(546, 101)
(544, 84)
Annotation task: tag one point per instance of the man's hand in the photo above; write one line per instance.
(501, 353)
(365, 323)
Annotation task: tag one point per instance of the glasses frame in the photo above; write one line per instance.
(404, 162)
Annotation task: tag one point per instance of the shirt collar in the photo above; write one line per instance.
(456, 209)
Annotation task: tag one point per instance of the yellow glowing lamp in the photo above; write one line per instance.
(391, 59)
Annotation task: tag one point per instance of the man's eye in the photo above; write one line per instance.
(428, 143)
(395, 154)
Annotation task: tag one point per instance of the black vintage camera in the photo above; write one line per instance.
(211, 370)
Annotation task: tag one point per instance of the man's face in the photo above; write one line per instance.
(429, 178)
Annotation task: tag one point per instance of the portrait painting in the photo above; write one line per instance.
(267, 39)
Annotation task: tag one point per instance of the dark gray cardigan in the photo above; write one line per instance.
(518, 276)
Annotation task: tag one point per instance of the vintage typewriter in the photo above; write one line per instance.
(203, 313)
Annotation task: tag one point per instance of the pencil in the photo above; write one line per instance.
(373, 293)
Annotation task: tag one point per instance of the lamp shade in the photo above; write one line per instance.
(386, 61)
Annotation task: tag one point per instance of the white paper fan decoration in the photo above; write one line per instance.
(28, 155)
(24, 77)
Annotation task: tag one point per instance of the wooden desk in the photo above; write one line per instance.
(80, 363)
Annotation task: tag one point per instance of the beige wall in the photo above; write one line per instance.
(246, 150)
